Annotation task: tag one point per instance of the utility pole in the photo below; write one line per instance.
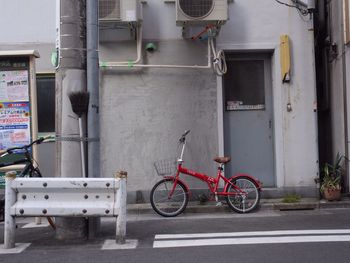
(70, 77)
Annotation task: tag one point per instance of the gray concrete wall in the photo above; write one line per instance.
(144, 112)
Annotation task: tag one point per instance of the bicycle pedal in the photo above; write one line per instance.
(218, 204)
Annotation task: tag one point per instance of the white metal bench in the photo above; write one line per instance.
(64, 197)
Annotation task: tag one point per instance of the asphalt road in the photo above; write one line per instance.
(295, 236)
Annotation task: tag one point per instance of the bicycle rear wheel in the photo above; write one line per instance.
(243, 202)
(166, 205)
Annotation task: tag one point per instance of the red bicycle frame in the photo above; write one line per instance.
(213, 183)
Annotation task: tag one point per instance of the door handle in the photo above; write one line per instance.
(270, 124)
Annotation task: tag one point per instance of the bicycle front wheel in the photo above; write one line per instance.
(245, 198)
(167, 202)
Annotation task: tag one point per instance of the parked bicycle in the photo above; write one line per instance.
(169, 197)
(30, 169)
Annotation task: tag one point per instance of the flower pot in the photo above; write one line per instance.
(332, 194)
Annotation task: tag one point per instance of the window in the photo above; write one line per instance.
(245, 85)
(46, 102)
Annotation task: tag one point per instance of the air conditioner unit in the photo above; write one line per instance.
(201, 11)
(120, 11)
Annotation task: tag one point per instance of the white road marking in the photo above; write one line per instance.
(249, 240)
(254, 233)
(253, 237)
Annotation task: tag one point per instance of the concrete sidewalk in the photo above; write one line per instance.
(265, 205)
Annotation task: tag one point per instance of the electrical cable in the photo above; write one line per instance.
(303, 12)
(219, 60)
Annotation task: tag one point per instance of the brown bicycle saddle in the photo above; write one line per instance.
(222, 160)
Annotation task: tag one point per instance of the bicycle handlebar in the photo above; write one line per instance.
(183, 137)
(24, 147)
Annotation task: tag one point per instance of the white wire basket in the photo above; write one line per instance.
(166, 167)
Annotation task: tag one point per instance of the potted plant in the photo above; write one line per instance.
(331, 182)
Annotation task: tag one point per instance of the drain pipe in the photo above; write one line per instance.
(93, 127)
(346, 106)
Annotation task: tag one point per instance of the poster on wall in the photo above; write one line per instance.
(14, 86)
(14, 124)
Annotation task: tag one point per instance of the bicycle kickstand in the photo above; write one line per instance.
(218, 203)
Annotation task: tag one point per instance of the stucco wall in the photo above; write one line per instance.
(144, 112)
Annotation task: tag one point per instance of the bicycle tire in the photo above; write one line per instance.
(2, 209)
(243, 204)
(165, 206)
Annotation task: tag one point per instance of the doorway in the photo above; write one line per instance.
(248, 116)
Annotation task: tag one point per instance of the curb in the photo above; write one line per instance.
(268, 205)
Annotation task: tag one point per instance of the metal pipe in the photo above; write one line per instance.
(118, 65)
(93, 122)
(10, 221)
(138, 49)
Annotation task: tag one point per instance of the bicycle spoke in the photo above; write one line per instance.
(166, 198)
(244, 195)
(165, 203)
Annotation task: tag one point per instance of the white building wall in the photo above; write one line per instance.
(29, 21)
(29, 24)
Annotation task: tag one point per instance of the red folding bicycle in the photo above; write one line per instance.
(169, 197)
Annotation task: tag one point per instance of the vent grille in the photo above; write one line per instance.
(196, 8)
(109, 9)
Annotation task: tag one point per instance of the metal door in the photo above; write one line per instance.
(248, 112)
